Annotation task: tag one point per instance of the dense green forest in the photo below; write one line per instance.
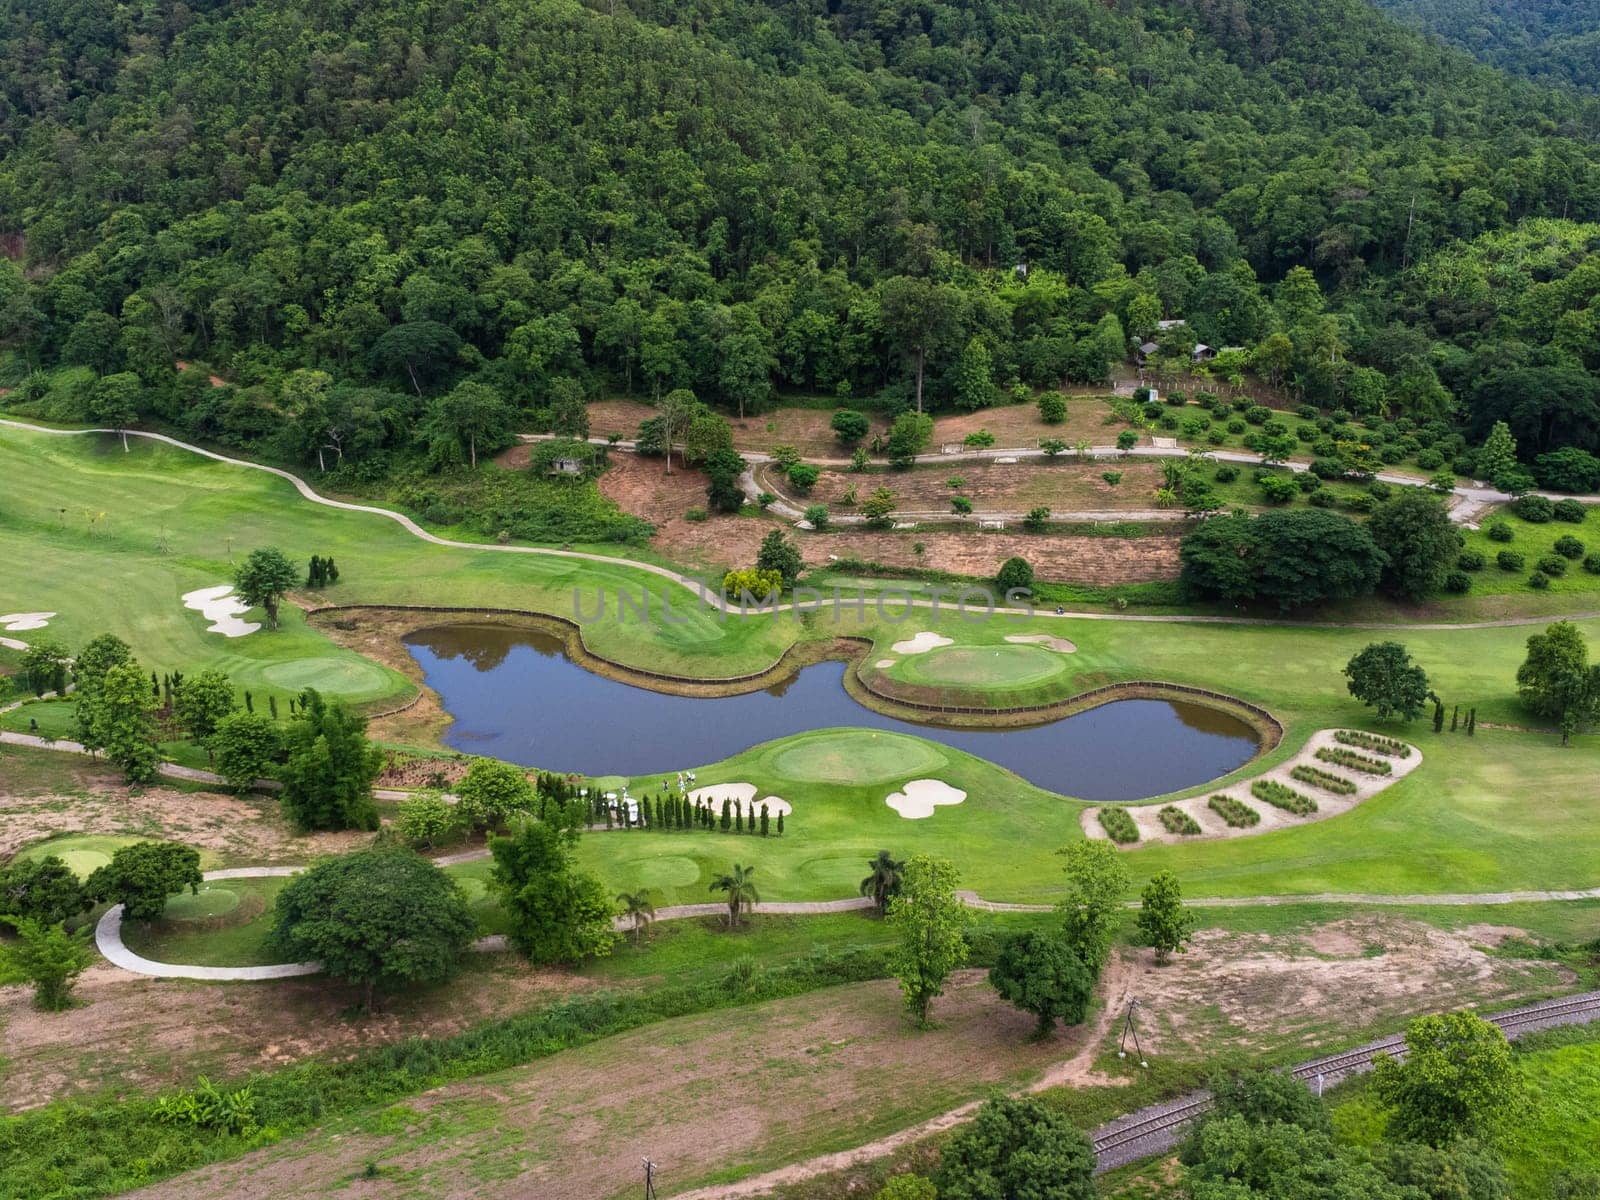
(388, 222)
(1556, 42)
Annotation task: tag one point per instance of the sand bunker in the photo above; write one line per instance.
(221, 609)
(883, 664)
(920, 797)
(1042, 639)
(923, 642)
(742, 795)
(18, 622)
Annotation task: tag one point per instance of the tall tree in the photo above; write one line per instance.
(1458, 1080)
(1556, 680)
(1165, 924)
(263, 579)
(1383, 677)
(1017, 1148)
(920, 316)
(1040, 973)
(931, 923)
(244, 746)
(559, 914)
(142, 876)
(121, 722)
(470, 417)
(1092, 906)
(1421, 543)
(376, 919)
(330, 767)
(201, 703)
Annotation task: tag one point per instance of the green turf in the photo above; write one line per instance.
(82, 852)
(181, 937)
(993, 667)
(1533, 542)
(212, 900)
(1504, 810)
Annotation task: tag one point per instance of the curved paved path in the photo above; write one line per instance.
(712, 600)
(108, 932)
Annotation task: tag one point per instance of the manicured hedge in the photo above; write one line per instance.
(1356, 762)
(1326, 780)
(1286, 798)
(1235, 813)
(1119, 826)
(1175, 820)
(1375, 742)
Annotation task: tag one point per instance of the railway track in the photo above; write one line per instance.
(1159, 1128)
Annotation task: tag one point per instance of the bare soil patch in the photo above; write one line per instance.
(726, 1088)
(135, 1034)
(1258, 991)
(1064, 486)
(1018, 425)
(244, 830)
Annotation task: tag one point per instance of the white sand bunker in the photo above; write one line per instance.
(1042, 639)
(743, 795)
(883, 664)
(922, 643)
(18, 622)
(920, 797)
(223, 610)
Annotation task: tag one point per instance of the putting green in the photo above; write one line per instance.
(983, 666)
(856, 756)
(82, 853)
(211, 900)
(662, 870)
(332, 676)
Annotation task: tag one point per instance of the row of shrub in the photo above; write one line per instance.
(1175, 820)
(1375, 742)
(1539, 510)
(1234, 812)
(1282, 796)
(1326, 780)
(1119, 826)
(1341, 757)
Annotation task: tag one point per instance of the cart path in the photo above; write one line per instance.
(711, 599)
(108, 931)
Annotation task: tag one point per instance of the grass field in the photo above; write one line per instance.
(223, 926)
(1556, 1135)
(1504, 810)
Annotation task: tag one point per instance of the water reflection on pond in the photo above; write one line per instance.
(514, 694)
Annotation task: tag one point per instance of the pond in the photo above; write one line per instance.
(514, 694)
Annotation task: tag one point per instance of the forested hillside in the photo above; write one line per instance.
(1553, 41)
(350, 207)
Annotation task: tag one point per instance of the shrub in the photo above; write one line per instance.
(1235, 813)
(1326, 780)
(1510, 560)
(960, 504)
(1278, 489)
(1035, 521)
(696, 515)
(1119, 826)
(1430, 460)
(1552, 565)
(1052, 408)
(981, 440)
(426, 818)
(1280, 796)
(1327, 468)
(803, 477)
(1569, 547)
(1015, 574)
(785, 455)
(1175, 820)
(1375, 742)
(1258, 414)
(1341, 757)
(1236, 426)
(1111, 477)
(1127, 440)
(1379, 489)
(1592, 564)
(1572, 511)
(1361, 502)
(1457, 583)
(1470, 560)
(1538, 581)
(1534, 509)
(817, 516)
(1322, 499)
(849, 425)
(1499, 531)
(1307, 482)
(1226, 473)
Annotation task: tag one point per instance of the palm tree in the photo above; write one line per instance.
(637, 908)
(884, 880)
(741, 892)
